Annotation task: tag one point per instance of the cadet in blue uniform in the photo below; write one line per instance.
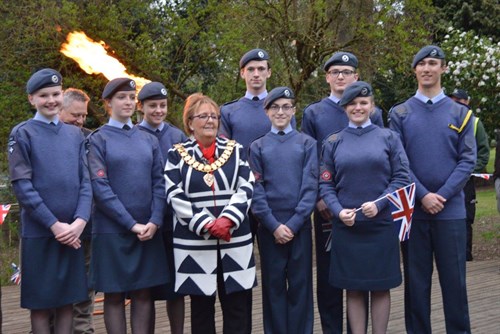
(283, 203)
(126, 171)
(319, 120)
(245, 119)
(153, 104)
(438, 138)
(360, 164)
(51, 182)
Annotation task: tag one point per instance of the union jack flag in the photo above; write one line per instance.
(482, 175)
(403, 202)
(3, 212)
(16, 276)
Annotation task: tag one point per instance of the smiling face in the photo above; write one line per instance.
(122, 105)
(204, 123)
(358, 110)
(338, 81)
(47, 101)
(255, 73)
(154, 111)
(280, 112)
(74, 113)
(428, 72)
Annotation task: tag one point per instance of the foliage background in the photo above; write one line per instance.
(196, 46)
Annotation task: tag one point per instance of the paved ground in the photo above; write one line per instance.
(483, 280)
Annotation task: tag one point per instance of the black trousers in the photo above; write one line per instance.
(235, 310)
(470, 209)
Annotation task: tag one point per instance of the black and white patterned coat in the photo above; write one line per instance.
(195, 204)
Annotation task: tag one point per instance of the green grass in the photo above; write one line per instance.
(486, 203)
(490, 167)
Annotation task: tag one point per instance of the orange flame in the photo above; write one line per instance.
(94, 59)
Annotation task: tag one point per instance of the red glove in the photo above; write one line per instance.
(220, 228)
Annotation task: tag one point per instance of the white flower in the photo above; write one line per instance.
(456, 72)
(481, 83)
(484, 99)
(485, 77)
(447, 36)
(478, 110)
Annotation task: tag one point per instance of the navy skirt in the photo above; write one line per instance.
(122, 263)
(52, 274)
(167, 291)
(365, 256)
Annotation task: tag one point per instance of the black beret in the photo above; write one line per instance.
(341, 58)
(429, 51)
(354, 90)
(152, 91)
(255, 54)
(116, 85)
(278, 93)
(460, 94)
(46, 77)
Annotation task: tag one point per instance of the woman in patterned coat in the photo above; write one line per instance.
(210, 188)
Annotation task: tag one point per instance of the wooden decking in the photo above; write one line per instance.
(483, 281)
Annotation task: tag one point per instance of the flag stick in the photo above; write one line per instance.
(375, 201)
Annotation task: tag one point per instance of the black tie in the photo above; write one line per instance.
(429, 101)
(158, 131)
(126, 127)
(359, 127)
(255, 98)
(281, 133)
(52, 123)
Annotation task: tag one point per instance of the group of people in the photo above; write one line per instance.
(175, 214)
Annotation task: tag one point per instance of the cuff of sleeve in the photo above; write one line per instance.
(270, 222)
(382, 204)
(295, 223)
(45, 216)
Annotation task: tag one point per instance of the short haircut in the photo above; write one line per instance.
(73, 94)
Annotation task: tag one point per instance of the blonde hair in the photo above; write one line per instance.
(192, 104)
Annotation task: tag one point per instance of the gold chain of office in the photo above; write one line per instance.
(206, 168)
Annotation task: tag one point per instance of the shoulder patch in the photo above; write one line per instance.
(230, 102)
(400, 109)
(333, 137)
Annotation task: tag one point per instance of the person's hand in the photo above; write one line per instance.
(369, 209)
(323, 210)
(138, 228)
(148, 232)
(283, 234)
(433, 203)
(68, 235)
(221, 228)
(348, 216)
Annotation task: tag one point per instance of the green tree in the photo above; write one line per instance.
(474, 65)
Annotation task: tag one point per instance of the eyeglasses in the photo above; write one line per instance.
(345, 73)
(285, 108)
(204, 117)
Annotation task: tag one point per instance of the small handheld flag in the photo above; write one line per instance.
(482, 175)
(3, 212)
(16, 276)
(403, 203)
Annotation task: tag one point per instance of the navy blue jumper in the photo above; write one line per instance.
(439, 141)
(286, 173)
(51, 182)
